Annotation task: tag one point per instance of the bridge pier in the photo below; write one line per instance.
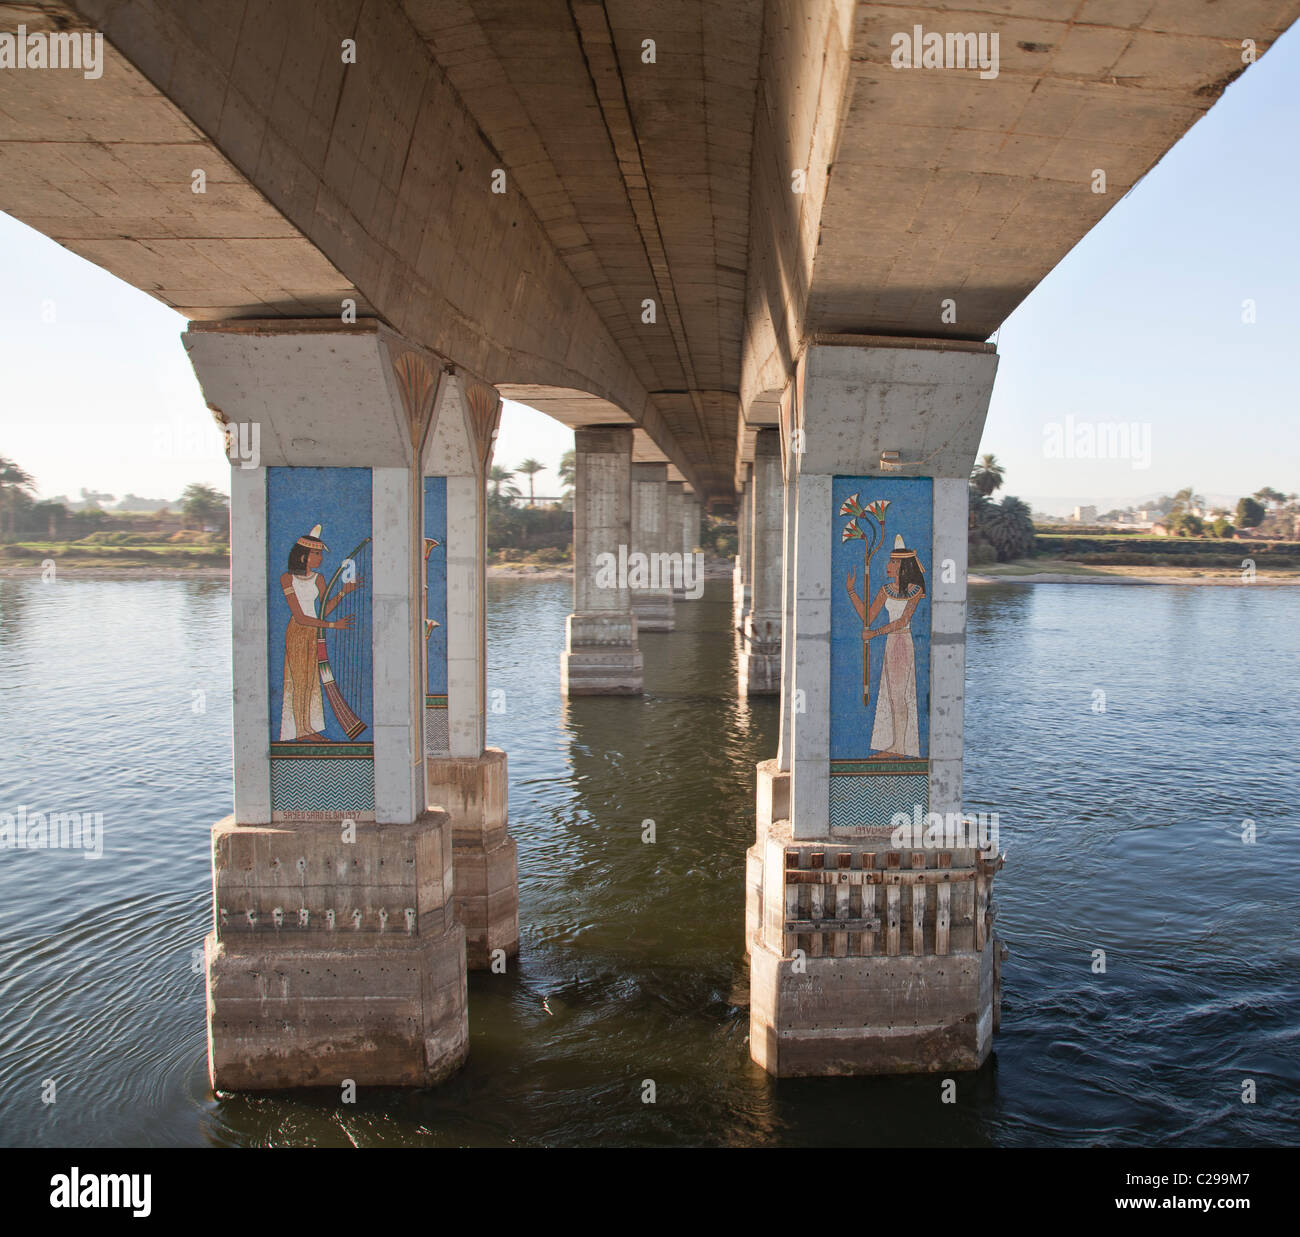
(741, 577)
(335, 950)
(601, 657)
(675, 535)
(760, 659)
(464, 777)
(859, 818)
(652, 598)
(690, 523)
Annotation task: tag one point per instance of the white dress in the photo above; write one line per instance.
(302, 641)
(897, 690)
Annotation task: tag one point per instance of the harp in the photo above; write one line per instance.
(342, 653)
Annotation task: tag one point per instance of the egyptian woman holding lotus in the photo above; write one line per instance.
(302, 715)
(896, 732)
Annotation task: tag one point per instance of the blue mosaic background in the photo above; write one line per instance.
(339, 500)
(435, 578)
(911, 513)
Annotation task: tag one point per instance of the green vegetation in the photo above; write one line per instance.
(998, 530)
(32, 531)
(987, 475)
(1250, 514)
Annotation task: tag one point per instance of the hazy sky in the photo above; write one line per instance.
(1141, 324)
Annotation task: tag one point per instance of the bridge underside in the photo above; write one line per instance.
(690, 192)
(745, 247)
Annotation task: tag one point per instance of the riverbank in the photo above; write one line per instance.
(115, 571)
(1062, 571)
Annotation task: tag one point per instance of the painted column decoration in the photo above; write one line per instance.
(319, 628)
(436, 730)
(880, 650)
(335, 950)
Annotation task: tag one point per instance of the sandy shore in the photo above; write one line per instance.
(84, 572)
(1233, 580)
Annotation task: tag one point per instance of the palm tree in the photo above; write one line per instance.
(1185, 499)
(987, 475)
(15, 487)
(500, 479)
(530, 468)
(567, 471)
(1008, 526)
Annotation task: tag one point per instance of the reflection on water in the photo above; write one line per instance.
(1122, 827)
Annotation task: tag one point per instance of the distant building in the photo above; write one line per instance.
(1084, 515)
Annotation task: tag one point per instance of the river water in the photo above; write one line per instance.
(1123, 735)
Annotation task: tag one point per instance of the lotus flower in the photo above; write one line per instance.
(878, 508)
(851, 507)
(852, 530)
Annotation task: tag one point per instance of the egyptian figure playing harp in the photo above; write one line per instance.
(311, 675)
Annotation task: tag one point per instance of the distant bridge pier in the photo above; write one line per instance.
(741, 579)
(675, 536)
(601, 656)
(652, 596)
(869, 926)
(690, 523)
(335, 950)
(760, 659)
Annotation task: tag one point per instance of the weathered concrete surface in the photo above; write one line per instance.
(857, 401)
(906, 1012)
(760, 657)
(870, 1015)
(741, 578)
(652, 605)
(473, 791)
(331, 959)
(924, 185)
(601, 657)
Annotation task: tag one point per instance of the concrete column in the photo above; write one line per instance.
(601, 657)
(674, 524)
(649, 568)
(740, 581)
(463, 777)
(859, 820)
(760, 659)
(690, 523)
(335, 951)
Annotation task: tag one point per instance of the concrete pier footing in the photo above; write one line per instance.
(869, 919)
(912, 982)
(335, 953)
(473, 793)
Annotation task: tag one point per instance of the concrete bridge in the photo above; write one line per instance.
(751, 251)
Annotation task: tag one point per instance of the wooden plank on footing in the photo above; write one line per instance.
(919, 898)
(943, 909)
(893, 897)
(840, 941)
